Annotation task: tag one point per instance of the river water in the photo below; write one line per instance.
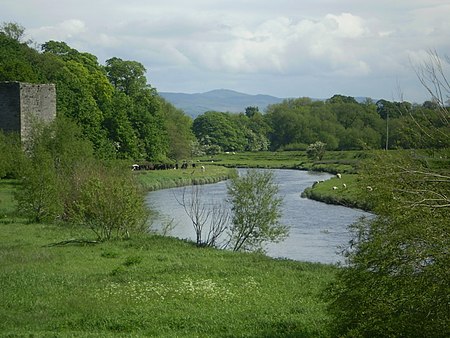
(317, 229)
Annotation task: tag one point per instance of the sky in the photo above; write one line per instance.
(284, 48)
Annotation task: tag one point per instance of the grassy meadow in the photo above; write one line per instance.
(148, 286)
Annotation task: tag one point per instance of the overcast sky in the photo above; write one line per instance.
(285, 48)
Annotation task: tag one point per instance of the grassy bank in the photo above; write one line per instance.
(344, 191)
(148, 286)
(162, 179)
(333, 161)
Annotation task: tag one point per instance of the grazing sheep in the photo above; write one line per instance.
(344, 185)
(338, 175)
(369, 188)
(335, 188)
(203, 168)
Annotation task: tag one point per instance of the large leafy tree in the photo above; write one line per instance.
(256, 211)
(144, 110)
(126, 76)
(216, 128)
(179, 131)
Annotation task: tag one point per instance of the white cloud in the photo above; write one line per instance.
(67, 29)
(286, 46)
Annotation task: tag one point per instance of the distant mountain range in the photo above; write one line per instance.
(222, 100)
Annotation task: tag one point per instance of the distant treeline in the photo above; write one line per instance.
(340, 122)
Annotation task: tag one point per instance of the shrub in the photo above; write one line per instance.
(108, 201)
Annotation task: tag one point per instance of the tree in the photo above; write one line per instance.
(53, 152)
(179, 131)
(219, 129)
(256, 211)
(39, 195)
(126, 76)
(209, 220)
(13, 30)
(251, 111)
(316, 150)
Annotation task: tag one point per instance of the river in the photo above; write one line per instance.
(316, 229)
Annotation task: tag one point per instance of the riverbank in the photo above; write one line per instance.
(345, 191)
(162, 179)
(148, 286)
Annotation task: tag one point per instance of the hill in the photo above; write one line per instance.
(222, 100)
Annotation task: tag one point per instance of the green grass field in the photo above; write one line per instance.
(148, 286)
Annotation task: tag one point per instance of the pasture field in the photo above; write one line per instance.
(148, 286)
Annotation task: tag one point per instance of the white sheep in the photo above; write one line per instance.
(338, 175)
(335, 188)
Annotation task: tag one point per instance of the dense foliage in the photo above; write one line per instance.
(342, 123)
(397, 278)
(62, 181)
(117, 110)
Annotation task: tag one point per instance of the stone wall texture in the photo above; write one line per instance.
(21, 103)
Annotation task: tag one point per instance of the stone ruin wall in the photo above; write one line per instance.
(22, 103)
